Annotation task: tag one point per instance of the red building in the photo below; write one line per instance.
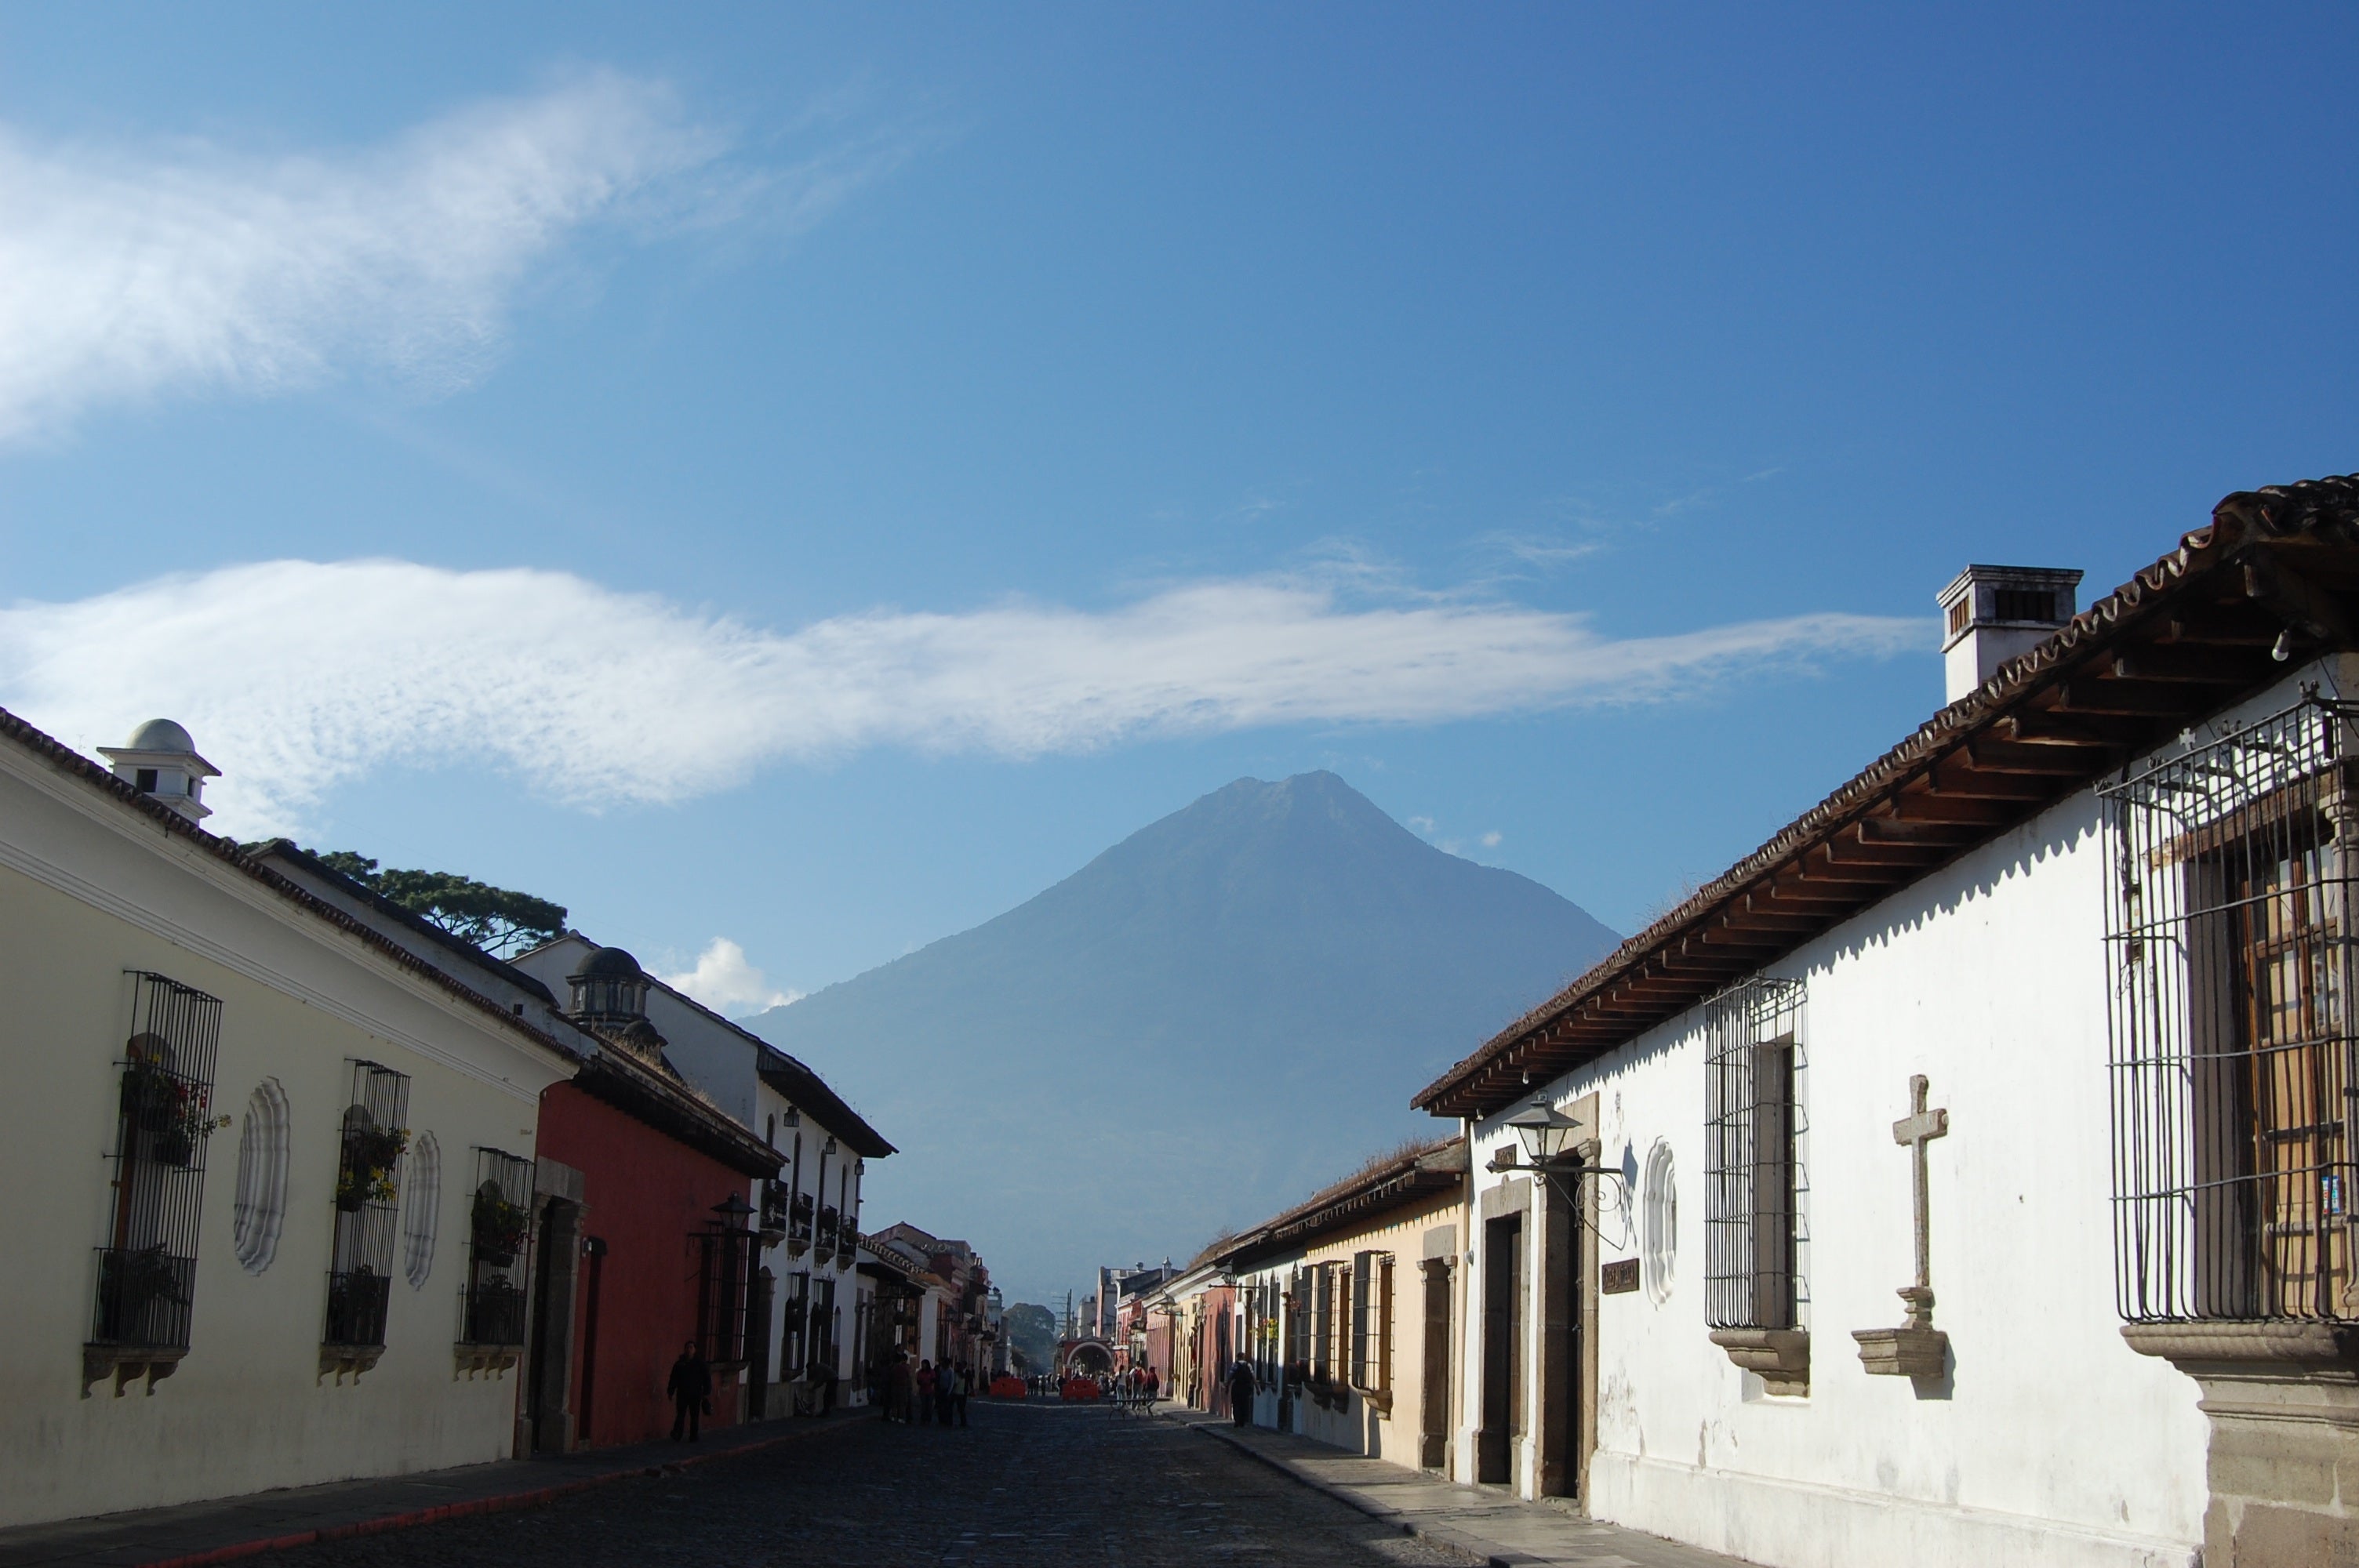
(654, 1222)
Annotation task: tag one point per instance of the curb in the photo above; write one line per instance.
(505, 1502)
(1486, 1553)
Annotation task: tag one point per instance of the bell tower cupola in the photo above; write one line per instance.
(160, 760)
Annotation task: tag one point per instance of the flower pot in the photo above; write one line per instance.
(494, 1256)
(175, 1148)
(354, 1201)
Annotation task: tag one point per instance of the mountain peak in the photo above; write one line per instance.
(1266, 946)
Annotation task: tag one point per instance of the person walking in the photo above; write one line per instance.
(1243, 1385)
(690, 1388)
(896, 1390)
(926, 1379)
(943, 1385)
(1154, 1387)
(962, 1388)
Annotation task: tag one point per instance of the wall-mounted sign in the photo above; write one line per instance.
(1613, 1278)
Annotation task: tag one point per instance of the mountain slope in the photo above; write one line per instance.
(1211, 1017)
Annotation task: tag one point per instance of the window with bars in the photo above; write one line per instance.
(794, 1315)
(1299, 1311)
(147, 1267)
(499, 1249)
(1752, 1172)
(822, 1328)
(1322, 1324)
(724, 1275)
(1372, 1321)
(375, 1136)
(2231, 1037)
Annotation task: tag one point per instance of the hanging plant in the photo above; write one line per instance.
(500, 1229)
(151, 1096)
(371, 1155)
(137, 1276)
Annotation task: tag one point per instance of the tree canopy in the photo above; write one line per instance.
(500, 921)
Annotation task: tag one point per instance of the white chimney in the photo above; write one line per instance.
(160, 760)
(1992, 615)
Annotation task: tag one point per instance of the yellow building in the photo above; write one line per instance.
(253, 1142)
(1344, 1307)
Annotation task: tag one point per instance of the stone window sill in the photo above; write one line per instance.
(1779, 1356)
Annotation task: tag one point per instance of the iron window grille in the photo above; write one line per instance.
(820, 1359)
(774, 1208)
(794, 1316)
(725, 1276)
(1753, 1177)
(1372, 1321)
(499, 1246)
(1299, 1324)
(375, 1134)
(2229, 966)
(147, 1270)
(1322, 1326)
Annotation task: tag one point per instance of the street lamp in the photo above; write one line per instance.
(1545, 1132)
(1546, 1135)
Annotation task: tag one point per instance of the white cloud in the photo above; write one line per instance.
(129, 272)
(1489, 840)
(295, 676)
(725, 980)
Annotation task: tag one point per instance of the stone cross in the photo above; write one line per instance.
(1915, 1130)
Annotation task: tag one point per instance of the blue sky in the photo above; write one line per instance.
(813, 479)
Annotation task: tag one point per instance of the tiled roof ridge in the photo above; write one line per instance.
(1370, 1177)
(66, 759)
(2326, 507)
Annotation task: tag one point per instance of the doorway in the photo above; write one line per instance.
(1502, 1332)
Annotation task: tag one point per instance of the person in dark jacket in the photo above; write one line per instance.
(690, 1388)
(1241, 1386)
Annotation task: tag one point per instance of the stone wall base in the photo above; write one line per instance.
(1799, 1524)
(2283, 1468)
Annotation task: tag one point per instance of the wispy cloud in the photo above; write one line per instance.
(131, 273)
(725, 980)
(298, 676)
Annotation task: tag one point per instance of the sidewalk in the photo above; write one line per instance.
(1492, 1525)
(188, 1535)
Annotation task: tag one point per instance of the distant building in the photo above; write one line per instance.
(800, 1344)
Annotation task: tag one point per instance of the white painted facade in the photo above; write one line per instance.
(2050, 1441)
(92, 887)
(739, 1073)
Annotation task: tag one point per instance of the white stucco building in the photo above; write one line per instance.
(805, 1314)
(247, 1133)
(2067, 975)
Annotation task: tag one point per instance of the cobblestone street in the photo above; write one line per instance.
(1025, 1484)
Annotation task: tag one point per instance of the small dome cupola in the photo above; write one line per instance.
(610, 990)
(161, 759)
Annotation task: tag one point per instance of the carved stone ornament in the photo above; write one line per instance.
(484, 1360)
(1779, 1356)
(1916, 1348)
(127, 1366)
(341, 1359)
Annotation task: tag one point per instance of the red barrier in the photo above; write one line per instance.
(1081, 1389)
(1006, 1388)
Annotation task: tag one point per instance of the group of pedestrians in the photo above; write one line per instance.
(932, 1395)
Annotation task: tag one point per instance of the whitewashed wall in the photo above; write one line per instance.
(2051, 1442)
(88, 890)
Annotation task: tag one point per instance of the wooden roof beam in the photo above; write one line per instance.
(2014, 757)
(2146, 698)
(2102, 732)
(2232, 667)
